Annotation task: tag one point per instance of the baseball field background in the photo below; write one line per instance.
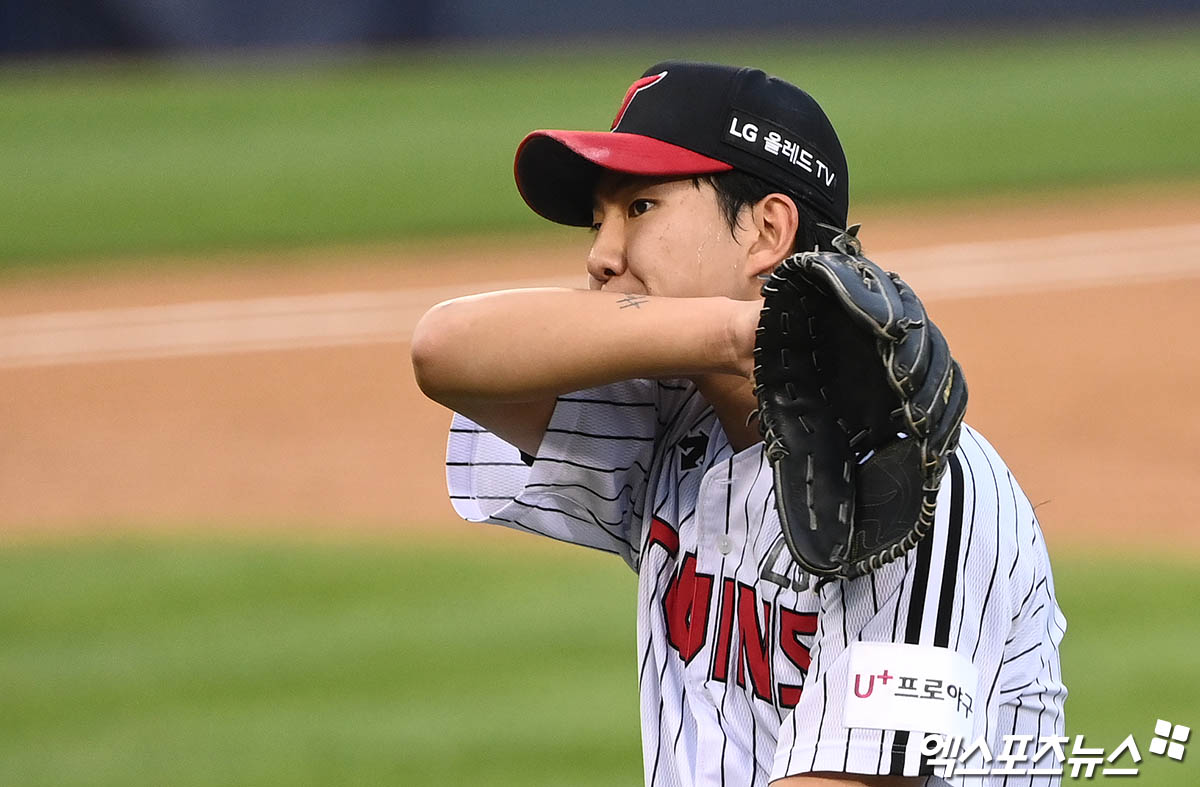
(226, 556)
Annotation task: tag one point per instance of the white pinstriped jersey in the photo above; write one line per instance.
(743, 665)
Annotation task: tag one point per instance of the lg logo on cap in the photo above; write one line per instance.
(748, 132)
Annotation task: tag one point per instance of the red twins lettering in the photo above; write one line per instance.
(686, 606)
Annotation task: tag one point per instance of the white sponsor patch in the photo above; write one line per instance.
(918, 688)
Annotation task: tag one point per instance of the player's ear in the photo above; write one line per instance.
(775, 221)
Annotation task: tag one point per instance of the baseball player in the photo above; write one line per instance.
(622, 418)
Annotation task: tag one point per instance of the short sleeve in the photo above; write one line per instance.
(941, 642)
(588, 483)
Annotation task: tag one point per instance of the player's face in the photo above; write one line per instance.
(665, 237)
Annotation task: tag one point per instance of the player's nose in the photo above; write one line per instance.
(606, 260)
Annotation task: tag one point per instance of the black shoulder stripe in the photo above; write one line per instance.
(916, 598)
(970, 537)
(899, 747)
(941, 637)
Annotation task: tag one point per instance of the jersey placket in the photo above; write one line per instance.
(720, 546)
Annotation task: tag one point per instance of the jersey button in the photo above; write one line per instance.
(725, 545)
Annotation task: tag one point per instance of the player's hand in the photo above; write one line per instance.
(731, 390)
(743, 328)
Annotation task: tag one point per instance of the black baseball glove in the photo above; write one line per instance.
(860, 404)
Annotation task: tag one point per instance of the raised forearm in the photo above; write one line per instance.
(521, 345)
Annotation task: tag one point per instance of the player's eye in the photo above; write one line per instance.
(595, 226)
(639, 206)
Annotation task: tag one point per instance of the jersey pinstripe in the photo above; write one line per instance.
(742, 661)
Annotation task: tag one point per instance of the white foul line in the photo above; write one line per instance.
(357, 318)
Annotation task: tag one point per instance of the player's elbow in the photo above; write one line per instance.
(434, 351)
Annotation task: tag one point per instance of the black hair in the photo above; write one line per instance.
(737, 190)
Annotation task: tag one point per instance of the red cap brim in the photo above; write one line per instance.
(556, 171)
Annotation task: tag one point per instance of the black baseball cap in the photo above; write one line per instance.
(684, 119)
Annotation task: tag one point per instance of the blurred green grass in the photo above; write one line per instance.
(105, 159)
(155, 662)
(140, 660)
